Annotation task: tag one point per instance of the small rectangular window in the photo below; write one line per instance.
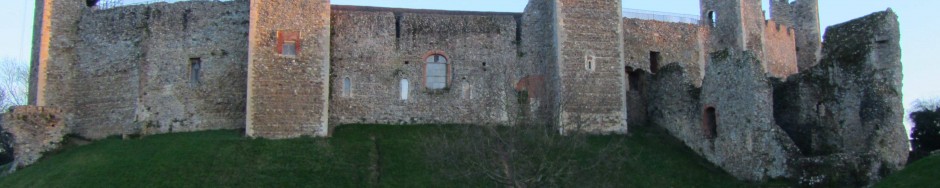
(195, 66)
(288, 43)
(288, 48)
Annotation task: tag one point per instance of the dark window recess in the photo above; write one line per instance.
(195, 69)
(398, 25)
(712, 18)
(710, 123)
(655, 58)
(91, 3)
(634, 79)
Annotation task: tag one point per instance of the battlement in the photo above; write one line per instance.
(774, 28)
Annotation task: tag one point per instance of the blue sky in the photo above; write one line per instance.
(918, 29)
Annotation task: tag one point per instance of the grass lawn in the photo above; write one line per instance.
(348, 159)
(922, 173)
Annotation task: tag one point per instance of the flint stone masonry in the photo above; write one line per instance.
(850, 104)
(288, 96)
(539, 59)
(676, 42)
(35, 130)
(285, 69)
(590, 64)
(372, 45)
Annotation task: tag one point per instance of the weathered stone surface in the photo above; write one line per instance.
(590, 66)
(674, 42)
(288, 95)
(850, 104)
(6, 144)
(803, 17)
(35, 130)
(369, 67)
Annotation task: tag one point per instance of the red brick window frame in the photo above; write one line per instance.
(288, 43)
(434, 77)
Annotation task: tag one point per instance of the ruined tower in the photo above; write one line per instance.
(803, 17)
(288, 68)
(735, 24)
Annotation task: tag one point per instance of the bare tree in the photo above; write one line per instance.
(14, 83)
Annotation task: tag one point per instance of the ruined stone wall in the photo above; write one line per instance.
(35, 130)
(850, 104)
(134, 68)
(675, 42)
(591, 66)
(779, 50)
(288, 95)
(375, 49)
(538, 62)
(747, 142)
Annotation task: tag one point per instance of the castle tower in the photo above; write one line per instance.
(288, 68)
(735, 24)
(803, 17)
(54, 36)
(590, 62)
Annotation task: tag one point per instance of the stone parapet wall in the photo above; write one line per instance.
(779, 50)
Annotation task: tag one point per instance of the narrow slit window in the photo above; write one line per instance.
(710, 123)
(347, 87)
(403, 84)
(195, 69)
(712, 18)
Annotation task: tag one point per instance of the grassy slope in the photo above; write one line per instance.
(226, 158)
(922, 173)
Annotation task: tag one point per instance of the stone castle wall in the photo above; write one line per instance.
(131, 69)
(375, 50)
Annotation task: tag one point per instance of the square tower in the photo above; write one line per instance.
(288, 68)
(590, 61)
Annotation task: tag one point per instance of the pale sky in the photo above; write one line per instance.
(918, 28)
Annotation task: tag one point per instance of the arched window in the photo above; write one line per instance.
(436, 75)
(404, 89)
(710, 123)
(712, 18)
(347, 87)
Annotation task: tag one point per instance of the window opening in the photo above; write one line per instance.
(347, 87)
(712, 18)
(655, 57)
(436, 75)
(195, 69)
(404, 89)
(711, 123)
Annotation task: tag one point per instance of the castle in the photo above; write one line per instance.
(760, 97)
